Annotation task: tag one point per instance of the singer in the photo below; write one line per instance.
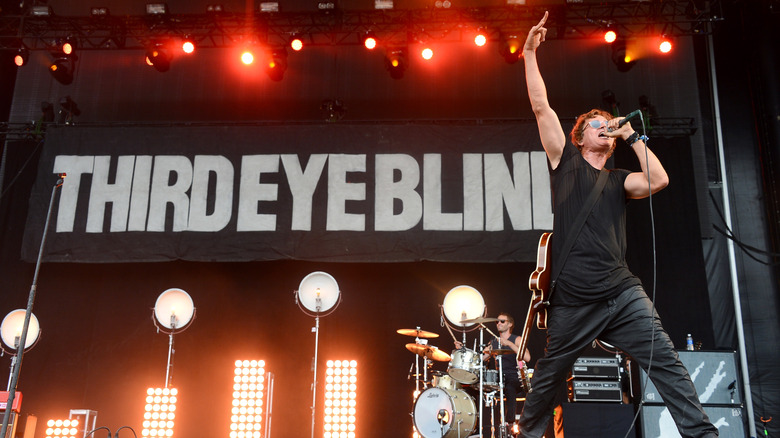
(593, 293)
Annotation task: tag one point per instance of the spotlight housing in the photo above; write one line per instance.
(158, 58)
(62, 69)
(396, 62)
(21, 57)
(277, 64)
(510, 47)
(620, 56)
(369, 41)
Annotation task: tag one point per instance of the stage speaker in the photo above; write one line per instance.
(597, 420)
(658, 423)
(714, 374)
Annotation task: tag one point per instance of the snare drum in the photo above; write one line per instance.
(444, 413)
(491, 381)
(464, 366)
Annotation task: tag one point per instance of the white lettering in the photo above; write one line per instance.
(340, 191)
(252, 192)
(387, 190)
(163, 193)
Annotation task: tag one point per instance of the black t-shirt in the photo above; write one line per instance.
(596, 267)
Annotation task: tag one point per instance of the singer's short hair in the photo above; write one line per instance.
(579, 125)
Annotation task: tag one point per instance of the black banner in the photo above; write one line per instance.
(357, 193)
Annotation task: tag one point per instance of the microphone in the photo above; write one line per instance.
(630, 116)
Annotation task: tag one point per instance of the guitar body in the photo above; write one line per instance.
(539, 283)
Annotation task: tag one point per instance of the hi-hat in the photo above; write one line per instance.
(429, 352)
(417, 333)
(478, 320)
(498, 351)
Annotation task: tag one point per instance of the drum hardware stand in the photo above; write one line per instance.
(502, 431)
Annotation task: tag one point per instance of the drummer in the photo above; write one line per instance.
(509, 342)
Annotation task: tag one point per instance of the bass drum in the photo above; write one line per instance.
(444, 413)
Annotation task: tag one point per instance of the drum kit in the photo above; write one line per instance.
(443, 408)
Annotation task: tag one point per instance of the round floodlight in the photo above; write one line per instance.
(318, 292)
(463, 303)
(174, 310)
(11, 329)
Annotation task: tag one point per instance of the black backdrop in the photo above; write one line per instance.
(99, 349)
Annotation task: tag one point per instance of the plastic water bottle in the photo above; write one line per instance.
(689, 342)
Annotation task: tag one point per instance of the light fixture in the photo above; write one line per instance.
(11, 330)
(334, 110)
(21, 57)
(214, 9)
(158, 58)
(463, 303)
(296, 43)
(268, 7)
(247, 57)
(426, 53)
(396, 62)
(156, 8)
(67, 46)
(99, 11)
(510, 47)
(442, 4)
(369, 41)
(173, 313)
(480, 39)
(317, 295)
(383, 4)
(188, 45)
(276, 64)
(62, 69)
(665, 46)
(610, 35)
(41, 11)
(621, 57)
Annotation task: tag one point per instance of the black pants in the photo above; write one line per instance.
(628, 322)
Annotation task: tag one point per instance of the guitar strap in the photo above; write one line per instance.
(576, 228)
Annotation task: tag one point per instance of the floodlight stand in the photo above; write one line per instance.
(171, 352)
(17, 364)
(316, 330)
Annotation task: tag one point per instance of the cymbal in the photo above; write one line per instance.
(498, 351)
(417, 333)
(432, 353)
(478, 320)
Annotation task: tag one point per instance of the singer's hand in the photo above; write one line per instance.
(615, 130)
(536, 35)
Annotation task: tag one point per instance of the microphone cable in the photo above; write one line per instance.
(643, 385)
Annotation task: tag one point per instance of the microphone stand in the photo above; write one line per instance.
(17, 366)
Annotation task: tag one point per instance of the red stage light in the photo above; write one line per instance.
(480, 40)
(369, 42)
(610, 36)
(67, 48)
(296, 44)
(188, 46)
(247, 57)
(665, 46)
(427, 53)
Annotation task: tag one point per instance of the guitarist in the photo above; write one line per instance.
(595, 295)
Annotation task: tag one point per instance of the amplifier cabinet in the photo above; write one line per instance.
(596, 368)
(596, 390)
(658, 423)
(714, 374)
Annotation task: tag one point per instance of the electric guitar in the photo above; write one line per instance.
(539, 283)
